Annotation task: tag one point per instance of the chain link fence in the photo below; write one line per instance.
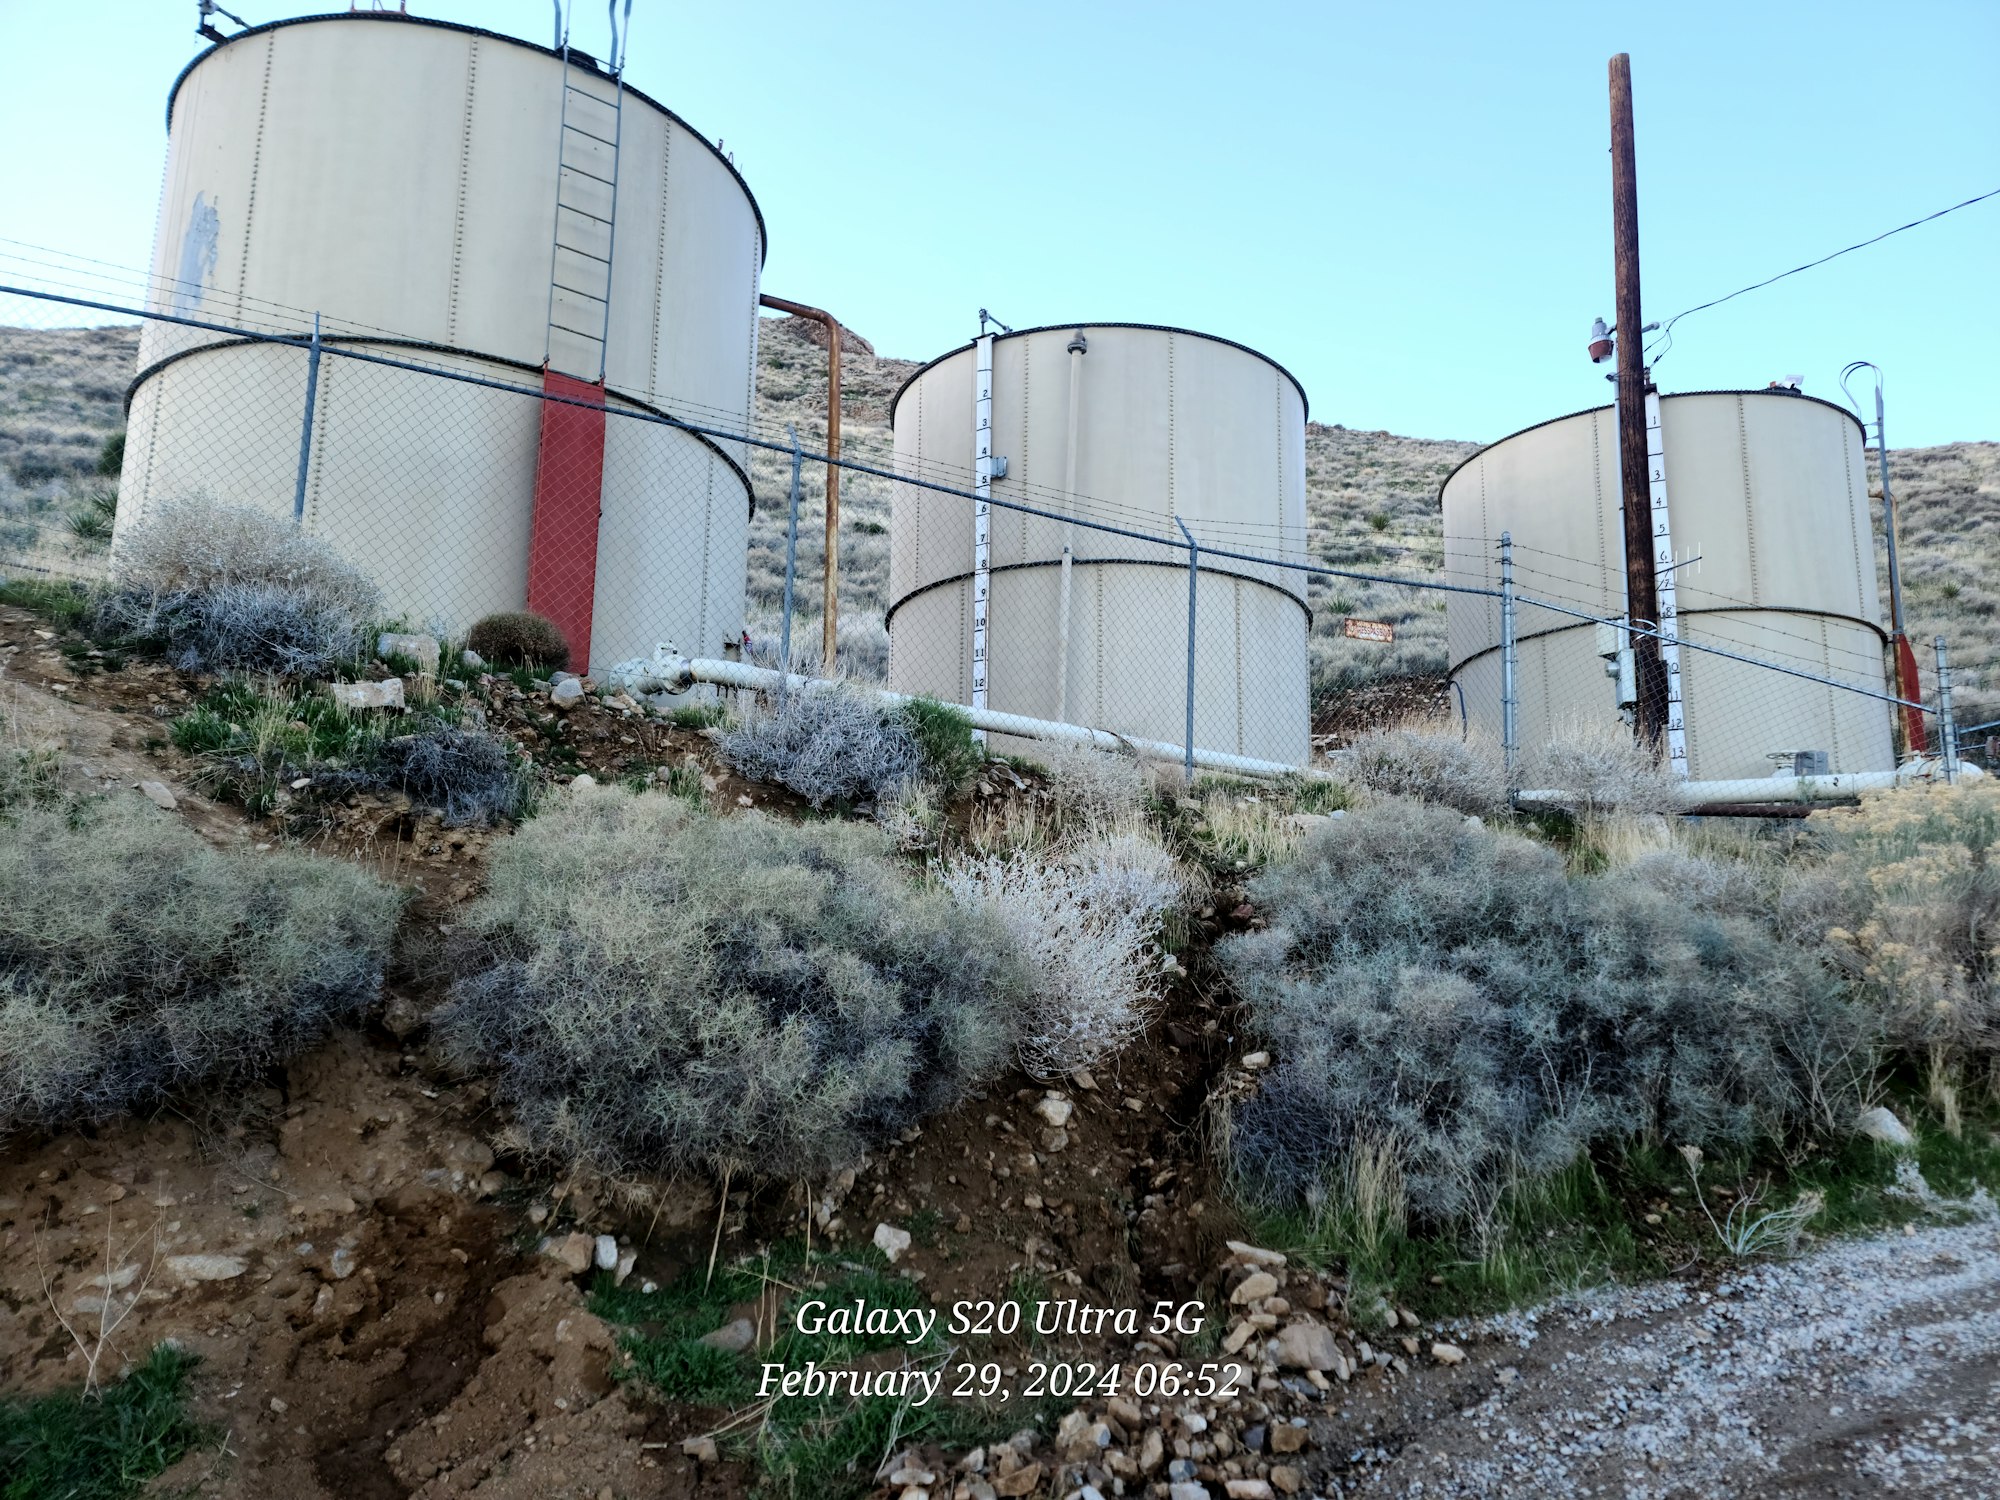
(467, 487)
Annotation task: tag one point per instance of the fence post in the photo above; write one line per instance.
(1947, 731)
(792, 561)
(306, 427)
(1187, 745)
(1509, 702)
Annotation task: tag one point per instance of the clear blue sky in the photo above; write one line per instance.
(1406, 204)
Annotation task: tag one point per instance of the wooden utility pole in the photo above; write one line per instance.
(1641, 592)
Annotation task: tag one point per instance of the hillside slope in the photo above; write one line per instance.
(1371, 503)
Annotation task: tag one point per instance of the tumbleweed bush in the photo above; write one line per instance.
(136, 960)
(1433, 763)
(661, 988)
(468, 775)
(1087, 917)
(221, 588)
(1599, 769)
(1092, 786)
(828, 743)
(1455, 991)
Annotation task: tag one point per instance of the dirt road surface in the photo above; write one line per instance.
(1864, 1368)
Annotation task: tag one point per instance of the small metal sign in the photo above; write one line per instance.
(1368, 630)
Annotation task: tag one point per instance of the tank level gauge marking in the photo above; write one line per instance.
(1666, 572)
(982, 513)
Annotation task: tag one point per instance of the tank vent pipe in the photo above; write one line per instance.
(1078, 346)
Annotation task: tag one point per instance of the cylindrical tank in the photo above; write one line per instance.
(400, 178)
(1767, 500)
(1169, 425)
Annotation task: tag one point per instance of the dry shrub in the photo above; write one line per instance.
(224, 588)
(468, 775)
(519, 638)
(253, 741)
(31, 769)
(660, 988)
(1092, 786)
(1086, 916)
(1242, 825)
(1455, 991)
(1431, 762)
(1908, 900)
(1599, 769)
(827, 742)
(136, 960)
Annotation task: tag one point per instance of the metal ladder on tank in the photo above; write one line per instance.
(586, 219)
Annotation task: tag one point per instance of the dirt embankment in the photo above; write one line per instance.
(356, 1259)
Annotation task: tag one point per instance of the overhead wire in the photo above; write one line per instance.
(1667, 329)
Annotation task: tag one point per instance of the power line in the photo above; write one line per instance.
(1666, 332)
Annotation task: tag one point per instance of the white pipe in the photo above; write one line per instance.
(679, 673)
(674, 673)
(1775, 789)
(1077, 346)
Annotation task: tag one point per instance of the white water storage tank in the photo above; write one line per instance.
(1769, 491)
(401, 177)
(1169, 424)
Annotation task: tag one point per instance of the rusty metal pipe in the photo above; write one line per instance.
(830, 625)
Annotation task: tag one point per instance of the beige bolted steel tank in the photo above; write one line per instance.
(1169, 426)
(1773, 559)
(404, 179)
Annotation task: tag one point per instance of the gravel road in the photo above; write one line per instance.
(1868, 1367)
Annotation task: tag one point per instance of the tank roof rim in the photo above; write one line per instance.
(1195, 333)
(763, 235)
(1585, 411)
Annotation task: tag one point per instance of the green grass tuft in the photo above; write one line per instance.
(944, 735)
(697, 716)
(102, 1447)
(807, 1448)
(62, 604)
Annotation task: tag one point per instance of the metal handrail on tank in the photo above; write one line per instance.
(830, 623)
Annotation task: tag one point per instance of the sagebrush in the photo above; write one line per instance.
(1092, 786)
(1456, 993)
(1598, 769)
(828, 742)
(1432, 763)
(1907, 899)
(658, 988)
(137, 961)
(1087, 918)
(221, 588)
